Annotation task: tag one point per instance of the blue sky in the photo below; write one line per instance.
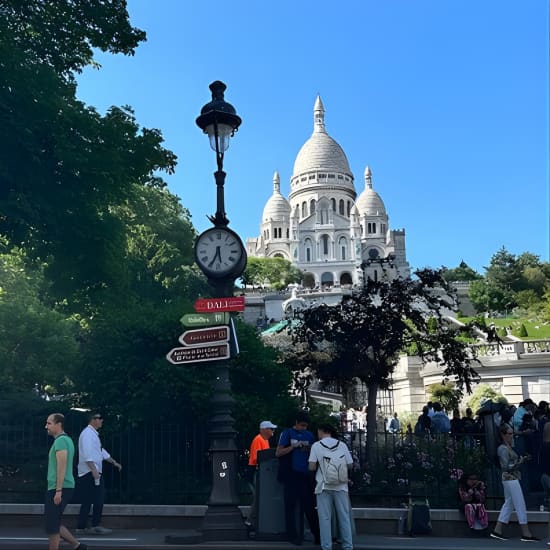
(446, 100)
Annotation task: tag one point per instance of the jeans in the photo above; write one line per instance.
(327, 501)
(90, 495)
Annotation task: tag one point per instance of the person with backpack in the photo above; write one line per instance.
(331, 460)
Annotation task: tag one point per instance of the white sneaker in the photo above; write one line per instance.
(98, 530)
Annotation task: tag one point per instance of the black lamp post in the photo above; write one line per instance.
(220, 121)
(222, 258)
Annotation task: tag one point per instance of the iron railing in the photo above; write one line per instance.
(169, 464)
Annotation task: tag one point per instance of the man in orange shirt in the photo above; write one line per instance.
(259, 443)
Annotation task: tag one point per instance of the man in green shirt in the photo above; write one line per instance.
(60, 483)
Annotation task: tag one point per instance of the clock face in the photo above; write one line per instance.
(219, 253)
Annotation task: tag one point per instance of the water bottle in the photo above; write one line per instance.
(97, 481)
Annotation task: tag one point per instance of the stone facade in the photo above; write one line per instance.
(334, 237)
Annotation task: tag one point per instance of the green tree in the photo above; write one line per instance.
(461, 273)
(64, 169)
(446, 394)
(37, 344)
(276, 273)
(369, 329)
(482, 392)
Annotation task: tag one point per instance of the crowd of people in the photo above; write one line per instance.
(314, 470)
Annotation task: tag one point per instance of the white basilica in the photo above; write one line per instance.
(332, 237)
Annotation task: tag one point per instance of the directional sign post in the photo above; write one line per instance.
(203, 336)
(205, 319)
(211, 305)
(198, 354)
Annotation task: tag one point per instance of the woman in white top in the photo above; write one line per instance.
(510, 463)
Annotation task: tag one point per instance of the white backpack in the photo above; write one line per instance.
(334, 467)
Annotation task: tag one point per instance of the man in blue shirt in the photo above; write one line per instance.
(440, 421)
(294, 446)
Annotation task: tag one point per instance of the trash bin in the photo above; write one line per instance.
(271, 509)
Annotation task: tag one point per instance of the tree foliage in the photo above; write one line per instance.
(369, 329)
(461, 273)
(276, 273)
(38, 345)
(511, 281)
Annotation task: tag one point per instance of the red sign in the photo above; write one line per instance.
(204, 336)
(211, 305)
(198, 354)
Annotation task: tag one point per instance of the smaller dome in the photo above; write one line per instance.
(369, 201)
(277, 207)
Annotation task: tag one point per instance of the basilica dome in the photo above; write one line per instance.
(369, 202)
(277, 207)
(320, 151)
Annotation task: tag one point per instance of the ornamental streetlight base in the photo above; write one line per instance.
(223, 523)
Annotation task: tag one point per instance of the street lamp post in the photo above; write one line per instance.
(220, 254)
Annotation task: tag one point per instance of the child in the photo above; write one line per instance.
(472, 494)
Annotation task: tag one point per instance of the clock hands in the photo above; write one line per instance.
(216, 255)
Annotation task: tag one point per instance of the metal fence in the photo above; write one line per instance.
(162, 463)
(169, 464)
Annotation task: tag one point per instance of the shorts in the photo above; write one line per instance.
(53, 512)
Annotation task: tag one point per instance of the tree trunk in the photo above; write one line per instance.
(372, 390)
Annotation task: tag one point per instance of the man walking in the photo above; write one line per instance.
(60, 483)
(90, 480)
(331, 460)
(295, 444)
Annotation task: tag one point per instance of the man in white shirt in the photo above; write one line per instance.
(332, 460)
(90, 480)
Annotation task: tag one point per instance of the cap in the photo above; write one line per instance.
(267, 424)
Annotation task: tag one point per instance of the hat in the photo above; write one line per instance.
(267, 424)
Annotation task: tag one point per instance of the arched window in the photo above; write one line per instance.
(267, 231)
(341, 207)
(288, 233)
(333, 204)
(308, 250)
(324, 244)
(304, 209)
(343, 245)
(312, 206)
(349, 208)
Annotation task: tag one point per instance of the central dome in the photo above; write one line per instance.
(320, 151)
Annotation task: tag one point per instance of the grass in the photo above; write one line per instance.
(536, 330)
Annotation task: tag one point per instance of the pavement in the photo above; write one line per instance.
(152, 539)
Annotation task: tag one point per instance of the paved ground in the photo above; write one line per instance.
(34, 538)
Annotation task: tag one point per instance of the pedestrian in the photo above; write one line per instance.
(331, 460)
(440, 421)
(395, 425)
(60, 483)
(510, 463)
(91, 486)
(424, 422)
(293, 452)
(259, 443)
